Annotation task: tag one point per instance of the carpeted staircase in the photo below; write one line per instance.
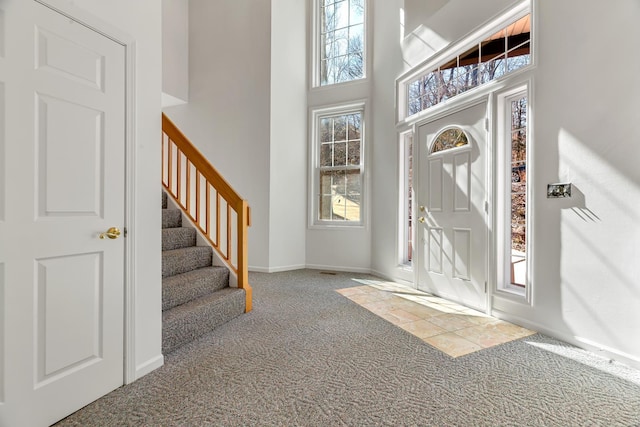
(196, 297)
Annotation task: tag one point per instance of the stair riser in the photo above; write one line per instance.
(183, 288)
(177, 238)
(183, 260)
(199, 320)
(171, 218)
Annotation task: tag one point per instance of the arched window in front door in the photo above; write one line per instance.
(451, 137)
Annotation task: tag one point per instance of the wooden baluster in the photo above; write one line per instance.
(179, 176)
(197, 217)
(170, 167)
(164, 158)
(229, 257)
(207, 209)
(217, 242)
(188, 187)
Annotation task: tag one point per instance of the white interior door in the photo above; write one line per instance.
(61, 286)
(452, 228)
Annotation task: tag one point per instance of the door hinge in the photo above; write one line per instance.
(486, 207)
(485, 286)
(486, 124)
(124, 232)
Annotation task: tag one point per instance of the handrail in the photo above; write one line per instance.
(181, 161)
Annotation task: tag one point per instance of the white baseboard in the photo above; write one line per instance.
(583, 343)
(337, 268)
(394, 279)
(309, 266)
(149, 366)
(277, 269)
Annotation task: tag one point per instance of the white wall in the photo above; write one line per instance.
(288, 138)
(387, 65)
(141, 20)
(583, 116)
(228, 114)
(175, 52)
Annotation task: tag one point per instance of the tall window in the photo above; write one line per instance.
(339, 167)
(518, 160)
(406, 211)
(501, 53)
(341, 41)
(513, 202)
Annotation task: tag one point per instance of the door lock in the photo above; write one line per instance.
(421, 220)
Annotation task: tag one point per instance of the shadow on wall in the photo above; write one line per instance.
(595, 252)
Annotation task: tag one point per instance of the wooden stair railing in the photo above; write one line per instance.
(215, 208)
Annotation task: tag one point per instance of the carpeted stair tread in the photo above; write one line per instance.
(164, 200)
(179, 237)
(178, 261)
(171, 218)
(194, 284)
(186, 322)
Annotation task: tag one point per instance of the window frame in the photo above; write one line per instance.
(315, 169)
(406, 214)
(316, 38)
(504, 287)
(457, 48)
(432, 146)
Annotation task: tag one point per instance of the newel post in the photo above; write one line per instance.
(244, 221)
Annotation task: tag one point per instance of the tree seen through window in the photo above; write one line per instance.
(341, 40)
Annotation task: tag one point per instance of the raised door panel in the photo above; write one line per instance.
(435, 250)
(69, 133)
(435, 185)
(68, 314)
(461, 253)
(462, 182)
(68, 58)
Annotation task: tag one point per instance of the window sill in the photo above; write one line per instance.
(333, 226)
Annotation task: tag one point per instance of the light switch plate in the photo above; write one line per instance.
(559, 190)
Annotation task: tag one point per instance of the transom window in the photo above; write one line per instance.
(339, 167)
(341, 40)
(449, 138)
(504, 52)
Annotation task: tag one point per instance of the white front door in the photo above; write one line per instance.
(452, 228)
(62, 88)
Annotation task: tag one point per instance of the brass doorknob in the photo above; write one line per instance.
(421, 220)
(112, 233)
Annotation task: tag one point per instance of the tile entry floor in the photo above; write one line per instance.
(451, 328)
